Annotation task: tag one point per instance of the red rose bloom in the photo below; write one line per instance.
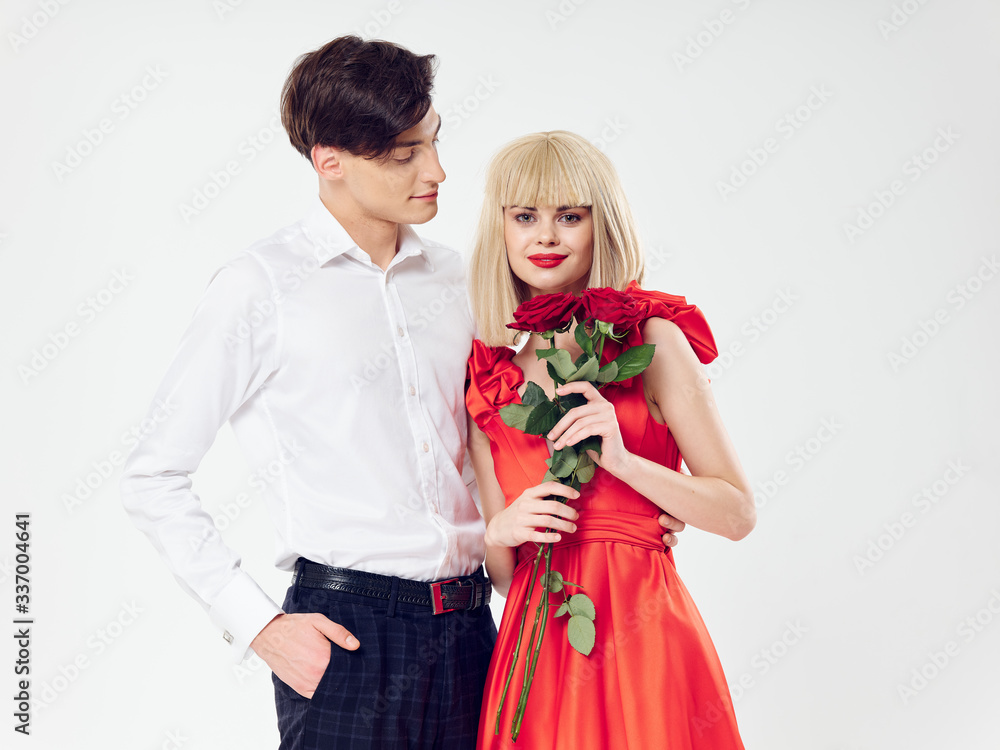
(611, 306)
(546, 312)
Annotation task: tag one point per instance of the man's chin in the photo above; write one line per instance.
(425, 214)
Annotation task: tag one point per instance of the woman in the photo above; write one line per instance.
(555, 220)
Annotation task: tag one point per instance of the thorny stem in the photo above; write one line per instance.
(517, 646)
(529, 670)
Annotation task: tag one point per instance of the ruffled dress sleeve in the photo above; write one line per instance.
(688, 318)
(493, 380)
(670, 307)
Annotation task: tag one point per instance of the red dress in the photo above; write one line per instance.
(653, 679)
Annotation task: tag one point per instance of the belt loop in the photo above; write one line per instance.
(393, 593)
(295, 580)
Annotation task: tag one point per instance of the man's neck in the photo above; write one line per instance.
(378, 238)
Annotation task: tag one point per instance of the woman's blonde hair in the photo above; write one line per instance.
(557, 168)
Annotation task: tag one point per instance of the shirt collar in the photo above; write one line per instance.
(332, 240)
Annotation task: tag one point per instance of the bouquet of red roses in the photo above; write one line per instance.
(600, 314)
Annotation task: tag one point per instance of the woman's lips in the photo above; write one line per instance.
(546, 260)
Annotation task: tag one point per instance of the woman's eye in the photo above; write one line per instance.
(569, 218)
(524, 218)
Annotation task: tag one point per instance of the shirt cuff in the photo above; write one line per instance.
(241, 610)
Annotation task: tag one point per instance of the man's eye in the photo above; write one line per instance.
(406, 160)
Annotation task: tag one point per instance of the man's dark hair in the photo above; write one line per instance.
(355, 95)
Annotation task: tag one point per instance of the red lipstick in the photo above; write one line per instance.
(546, 260)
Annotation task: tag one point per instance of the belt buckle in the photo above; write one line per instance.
(437, 598)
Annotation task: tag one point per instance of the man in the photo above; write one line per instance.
(319, 345)
(337, 349)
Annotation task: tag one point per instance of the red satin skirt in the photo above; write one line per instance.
(653, 679)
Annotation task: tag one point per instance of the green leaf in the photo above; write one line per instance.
(553, 581)
(549, 477)
(542, 418)
(592, 443)
(574, 482)
(587, 372)
(516, 415)
(554, 375)
(563, 470)
(563, 609)
(533, 395)
(633, 361)
(603, 327)
(582, 634)
(583, 339)
(608, 373)
(581, 605)
(560, 360)
(572, 400)
(586, 473)
(564, 462)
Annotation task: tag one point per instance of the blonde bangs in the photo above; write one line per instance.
(536, 173)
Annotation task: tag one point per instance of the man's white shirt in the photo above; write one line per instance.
(344, 385)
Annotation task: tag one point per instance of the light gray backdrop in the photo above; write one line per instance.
(820, 178)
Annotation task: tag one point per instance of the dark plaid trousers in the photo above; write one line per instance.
(416, 681)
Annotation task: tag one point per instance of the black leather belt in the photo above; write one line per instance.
(465, 592)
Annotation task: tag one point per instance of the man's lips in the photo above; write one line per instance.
(546, 260)
(428, 197)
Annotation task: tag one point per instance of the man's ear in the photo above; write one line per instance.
(328, 162)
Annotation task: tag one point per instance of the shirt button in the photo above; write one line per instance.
(427, 448)
(399, 330)
(413, 391)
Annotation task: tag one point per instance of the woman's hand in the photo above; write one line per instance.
(521, 520)
(596, 417)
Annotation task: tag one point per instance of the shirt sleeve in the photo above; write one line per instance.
(230, 348)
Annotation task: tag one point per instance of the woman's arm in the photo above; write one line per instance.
(717, 497)
(509, 527)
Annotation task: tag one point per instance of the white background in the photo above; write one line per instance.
(826, 610)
